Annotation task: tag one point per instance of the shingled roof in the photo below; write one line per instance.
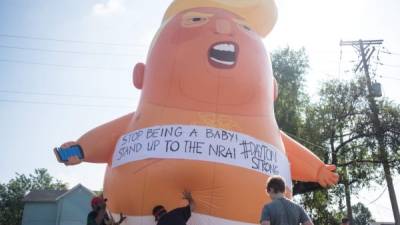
(51, 195)
(43, 195)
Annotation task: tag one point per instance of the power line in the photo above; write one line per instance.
(63, 95)
(392, 78)
(63, 65)
(66, 51)
(387, 51)
(340, 61)
(306, 141)
(365, 199)
(68, 40)
(384, 190)
(325, 73)
(391, 53)
(62, 104)
(384, 64)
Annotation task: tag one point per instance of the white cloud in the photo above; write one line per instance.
(108, 8)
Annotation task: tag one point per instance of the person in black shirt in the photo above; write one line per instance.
(99, 216)
(178, 216)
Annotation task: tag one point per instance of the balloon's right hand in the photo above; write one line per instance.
(73, 160)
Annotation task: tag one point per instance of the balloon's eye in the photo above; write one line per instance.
(246, 27)
(196, 19)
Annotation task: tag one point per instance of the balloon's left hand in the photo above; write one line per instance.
(327, 176)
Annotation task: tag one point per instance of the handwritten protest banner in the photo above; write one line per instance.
(201, 143)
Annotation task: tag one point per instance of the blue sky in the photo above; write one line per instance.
(65, 68)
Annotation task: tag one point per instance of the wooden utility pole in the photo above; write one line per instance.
(364, 48)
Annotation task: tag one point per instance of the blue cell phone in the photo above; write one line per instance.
(65, 153)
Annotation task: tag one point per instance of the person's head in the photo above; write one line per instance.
(98, 202)
(275, 185)
(159, 211)
(345, 221)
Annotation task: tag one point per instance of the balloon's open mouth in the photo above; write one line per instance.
(223, 55)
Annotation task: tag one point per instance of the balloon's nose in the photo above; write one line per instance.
(223, 26)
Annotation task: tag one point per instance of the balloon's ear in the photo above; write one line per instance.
(138, 75)
(275, 89)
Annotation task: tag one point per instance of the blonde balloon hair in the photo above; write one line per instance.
(261, 15)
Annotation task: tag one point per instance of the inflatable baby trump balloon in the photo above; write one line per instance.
(205, 122)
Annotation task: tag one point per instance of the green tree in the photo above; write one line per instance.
(290, 66)
(340, 125)
(12, 193)
(362, 215)
(340, 129)
(337, 123)
(318, 205)
(385, 127)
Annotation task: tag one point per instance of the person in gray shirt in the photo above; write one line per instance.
(282, 211)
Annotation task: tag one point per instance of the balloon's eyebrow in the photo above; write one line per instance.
(239, 21)
(192, 14)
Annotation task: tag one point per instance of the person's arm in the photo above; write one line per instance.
(265, 216)
(121, 218)
(188, 196)
(95, 218)
(265, 222)
(108, 219)
(91, 219)
(100, 216)
(304, 218)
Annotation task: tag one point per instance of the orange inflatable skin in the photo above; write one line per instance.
(206, 67)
